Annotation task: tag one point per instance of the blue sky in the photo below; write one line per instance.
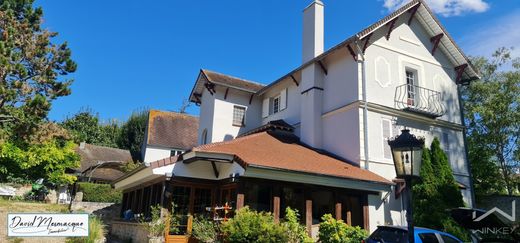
(146, 54)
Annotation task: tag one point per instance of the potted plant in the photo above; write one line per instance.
(155, 225)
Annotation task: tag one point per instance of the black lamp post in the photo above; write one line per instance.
(407, 154)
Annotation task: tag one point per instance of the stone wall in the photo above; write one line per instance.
(129, 230)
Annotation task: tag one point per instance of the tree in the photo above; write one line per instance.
(492, 113)
(132, 133)
(32, 67)
(85, 126)
(436, 192)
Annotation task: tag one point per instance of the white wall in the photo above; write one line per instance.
(291, 114)
(207, 111)
(155, 153)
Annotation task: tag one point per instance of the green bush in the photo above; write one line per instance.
(204, 230)
(99, 193)
(156, 225)
(296, 233)
(95, 234)
(336, 231)
(251, 226)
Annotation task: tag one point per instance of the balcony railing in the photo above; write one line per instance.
(421, 100)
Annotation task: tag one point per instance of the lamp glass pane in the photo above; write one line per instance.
(417, 161)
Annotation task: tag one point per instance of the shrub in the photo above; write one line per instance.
(251, 226)
(295, 231)
(156, 225)
(336, 231)
(96, 232)
(204, 230)
(99, 193)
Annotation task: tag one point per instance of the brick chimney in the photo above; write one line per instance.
(311, 87)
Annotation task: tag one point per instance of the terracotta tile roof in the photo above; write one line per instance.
(163, 162)
(231, 81)
(172, 130)
(92, 154)
(282, 150)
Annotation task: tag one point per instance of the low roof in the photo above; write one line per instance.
(108, 159)
(283, 150)
(172, 130)
(224, 80)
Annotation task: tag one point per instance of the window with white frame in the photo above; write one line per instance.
(239, 115)
(175, 152)
(276, 104)
(411, 83)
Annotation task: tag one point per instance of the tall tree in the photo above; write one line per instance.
(32, 66)
(132, 133)
(85, 126)
(436, 192)
(492, 110)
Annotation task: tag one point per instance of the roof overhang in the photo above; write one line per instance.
(201, 81)
(269, 173)
(142, 175)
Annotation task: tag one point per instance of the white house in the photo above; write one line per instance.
(168, 134)
(319, 133)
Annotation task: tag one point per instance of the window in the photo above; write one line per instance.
(411, 83)
(239, 115)
(276, 104)
(428, 238)
(174, 152)
(449, 239)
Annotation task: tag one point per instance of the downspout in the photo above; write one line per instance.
(463, 122)
(365, 107)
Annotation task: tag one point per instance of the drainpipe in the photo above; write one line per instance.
(463, 122)
(365, 108)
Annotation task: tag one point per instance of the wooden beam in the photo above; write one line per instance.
(276, 209)
(338, 211)
(391, 25)
(352, 53)
(435, 40)
(215, 171)
(460, 70)
(210, 87)
(323, 67)
(412, 12)
(366, 222)
(251, 98)
(308, 216)
(240, 201)
(367, 40)
(349, 217)
(225, 94)
(294, 80)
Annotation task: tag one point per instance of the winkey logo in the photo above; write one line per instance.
(511, 217)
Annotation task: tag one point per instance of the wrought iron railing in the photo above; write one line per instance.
(420, 100)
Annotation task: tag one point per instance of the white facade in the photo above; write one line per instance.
(330, 106)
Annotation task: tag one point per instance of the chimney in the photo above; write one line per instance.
(312, 31)
(311, 85)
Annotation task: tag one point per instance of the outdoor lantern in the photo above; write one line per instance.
(407, 154)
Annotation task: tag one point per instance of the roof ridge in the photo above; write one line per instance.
(235, 77)
(174, 112)
(232, 141)
(101, 146)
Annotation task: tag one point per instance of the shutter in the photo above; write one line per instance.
(386, 134)
(283, 99)
(395, 131)
(265, 108)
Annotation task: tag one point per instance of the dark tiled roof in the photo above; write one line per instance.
(172, 130)
(282, 150)
(91, 155)
(231, 81)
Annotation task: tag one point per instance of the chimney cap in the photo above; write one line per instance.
(314, 2)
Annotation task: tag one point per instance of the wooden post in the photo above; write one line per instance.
(366, 223)
(276, 209)
(338, 211)
(189, 227)
(349, 217)
(308, 216)
(240, 201)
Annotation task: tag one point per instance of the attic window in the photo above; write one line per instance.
(239, 115)
(276, 104)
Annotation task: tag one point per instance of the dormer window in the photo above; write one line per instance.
(239, 115)
(276, 104)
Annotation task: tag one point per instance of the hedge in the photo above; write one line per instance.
(93, 192)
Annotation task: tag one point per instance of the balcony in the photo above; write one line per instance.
(419, 100)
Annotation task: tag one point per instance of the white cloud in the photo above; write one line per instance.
(445, 8)
(485, 39)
